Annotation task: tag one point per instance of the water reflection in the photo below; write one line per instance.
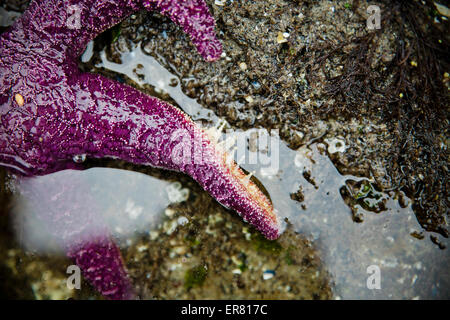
(410, 268)
(144, 69)
(73, 206)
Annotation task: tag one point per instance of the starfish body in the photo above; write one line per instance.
(51, 115)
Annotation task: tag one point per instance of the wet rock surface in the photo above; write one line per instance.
(213, 256)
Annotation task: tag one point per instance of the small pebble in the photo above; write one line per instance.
(182, 221)
(243, 66)
(336, 145)
(176, 193)
(142, 248)
(256, 85)
(268, 274)
(79, 158)
(180, 250)
(281, 38)
(249, 99)
(153, 235)
(19, 99)
(169, 212)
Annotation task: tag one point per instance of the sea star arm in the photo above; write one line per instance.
(115, 120)
(121, 122)
(61, 113)
(193, 16)
(102, 265)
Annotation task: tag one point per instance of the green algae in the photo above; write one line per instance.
(288, 258)
(195, 277)
(115, 32)
(260, 243)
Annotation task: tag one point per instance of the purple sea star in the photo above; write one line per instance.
(51, 113)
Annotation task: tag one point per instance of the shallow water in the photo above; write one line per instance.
(410, 268)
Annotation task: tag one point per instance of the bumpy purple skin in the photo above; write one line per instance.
(68, 113)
